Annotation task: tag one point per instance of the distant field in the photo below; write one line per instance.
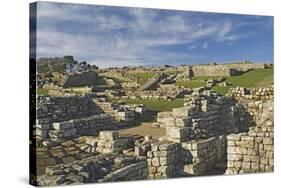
(140, 77)
(157, 105)
(253, 78)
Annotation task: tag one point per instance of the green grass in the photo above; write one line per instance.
(141, 77)
(206, 77)
(157, 104)
(41, 91)
(222, 90)
(253, 78)
(190, 83)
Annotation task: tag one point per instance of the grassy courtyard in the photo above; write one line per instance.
(157, 104)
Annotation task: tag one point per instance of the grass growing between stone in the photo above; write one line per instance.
(253, 78)
(157, 104)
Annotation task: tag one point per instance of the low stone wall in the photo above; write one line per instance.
(110, 142)
(242, 93)
(164, 92)
(122, 112)
(211, 70)
(57, 109)
(135, 171)
(225, 69)
(245, 66)
(74, 128)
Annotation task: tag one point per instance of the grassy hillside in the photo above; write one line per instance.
(253, 78)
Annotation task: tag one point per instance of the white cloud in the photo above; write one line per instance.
(100, 41)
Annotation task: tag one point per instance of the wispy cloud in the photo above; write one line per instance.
(205, 45)
(111, 36)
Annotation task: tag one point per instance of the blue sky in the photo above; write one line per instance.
(116, 36)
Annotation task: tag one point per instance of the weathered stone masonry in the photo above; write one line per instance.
(253, 151)
(210, 134)
(65, 117)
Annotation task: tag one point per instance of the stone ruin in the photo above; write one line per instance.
(214, 70)
(211, 134)
(125, 114)
(67, 117)
(205, 113)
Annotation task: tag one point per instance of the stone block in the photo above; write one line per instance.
(164, 114)
(231, 143)
(155, 161)
(182, 122)
(268, 147)
(252, 152)
(255, 166)
(268, 140)
(180, 112)
(247, 138)
(109, 135)
(91, 141)
(175, 132)
(237, 150)
(63, 125)
(167, 146)
(43, 126)
(234, 157)
(234, 137)
(246, 165)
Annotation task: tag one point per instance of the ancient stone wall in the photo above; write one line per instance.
(66, 117)
(245, 66)
(224, 69)
(252, 151)
(73, 128)
(205, 114)
(242, 93)
(82, 79)
(102, 168)
(57, 109)
(211, 70)
(166, 159)
(204, 154)
(164, 92)
(162, 160)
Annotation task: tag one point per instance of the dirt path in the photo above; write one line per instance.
(145, 129)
